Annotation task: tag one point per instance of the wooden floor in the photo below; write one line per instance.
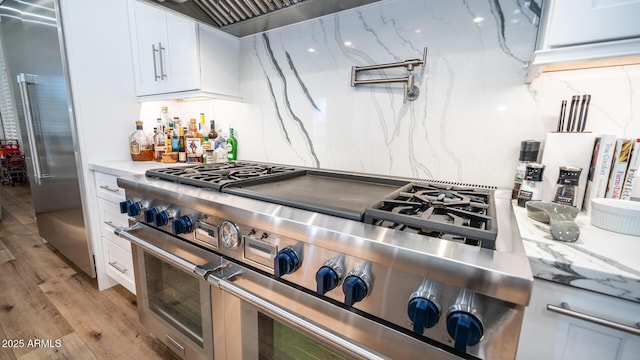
(50, 310)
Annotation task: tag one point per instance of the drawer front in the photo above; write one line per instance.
(110, 216)
(107, 187)
(119, 264)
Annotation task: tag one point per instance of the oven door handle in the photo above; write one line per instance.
(124, 232)
(294, 320)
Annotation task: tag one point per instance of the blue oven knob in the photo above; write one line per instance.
(162, 218)
(285, 262)
(326, 279)
(134, 209)
(423, 312)
(465, 329)
(182, 225)
(355, 289)
(150, 215)
(124, 206)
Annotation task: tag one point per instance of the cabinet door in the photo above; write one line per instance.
(180, 59)
(220, 57)
(575, 22)
(549, 335)
(149, 42)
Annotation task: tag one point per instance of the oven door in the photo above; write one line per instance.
(173, 302)
(266, 319)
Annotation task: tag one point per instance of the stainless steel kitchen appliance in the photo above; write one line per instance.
(34, 58)
(354, 264)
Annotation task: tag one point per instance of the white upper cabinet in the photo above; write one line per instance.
(576, 34)
(175, 57)
(574, 22)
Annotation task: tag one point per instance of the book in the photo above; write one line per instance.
(619, 168)
(599, 169)
(631, 182)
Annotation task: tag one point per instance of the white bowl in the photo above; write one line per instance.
(621, 216)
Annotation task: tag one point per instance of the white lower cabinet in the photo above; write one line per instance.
(116, 252)
(550, 335)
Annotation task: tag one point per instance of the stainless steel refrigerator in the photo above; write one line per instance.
(31, 36)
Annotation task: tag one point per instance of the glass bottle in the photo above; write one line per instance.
(213, 135)
(159, 144)
(232, 146)
(202, 126)
(194, 143)
(567, 185)
(528, 154)
(175, 135)
(206, 145)
(140, 146)
(531, 188)
(164, 116)
(182, 155)
(170, 139)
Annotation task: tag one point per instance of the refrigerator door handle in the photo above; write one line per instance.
(24, 80)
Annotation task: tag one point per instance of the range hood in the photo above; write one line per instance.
(246, 17)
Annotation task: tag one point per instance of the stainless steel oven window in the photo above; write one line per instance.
(254, 335)
(278, 341)
(174, 296)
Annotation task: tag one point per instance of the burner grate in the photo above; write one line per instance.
(215, 176)
(456, 213)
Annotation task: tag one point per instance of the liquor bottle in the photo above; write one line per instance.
(182, 155)
(159, 143)
(170, 133)
(164, 115)
(232, 146)
(140, 146)
(194, 143)
(202, 126)
(213, 135)
(175, 135)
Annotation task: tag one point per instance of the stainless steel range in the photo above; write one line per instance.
(369, 266)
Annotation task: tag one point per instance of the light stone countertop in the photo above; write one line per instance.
(600, 260)
(128, 167)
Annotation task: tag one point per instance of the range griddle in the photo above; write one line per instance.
(337, 194)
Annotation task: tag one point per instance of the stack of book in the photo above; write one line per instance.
(613, 172)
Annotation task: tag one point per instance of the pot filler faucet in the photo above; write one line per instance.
(411, 91)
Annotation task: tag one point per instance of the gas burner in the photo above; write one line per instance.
(461, 214)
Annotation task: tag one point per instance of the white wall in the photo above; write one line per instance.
(473, 110)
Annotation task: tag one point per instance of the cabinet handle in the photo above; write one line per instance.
(106, 187)
(118, 267)
(160, 48)
(565, 310)
(155, 65)
(110, 223)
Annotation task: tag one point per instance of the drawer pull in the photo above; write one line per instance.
(565, 310)
(175, 346)
(106, 187)
(110, 223)
(118, 267)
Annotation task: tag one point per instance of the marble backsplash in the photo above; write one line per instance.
(467, 123)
